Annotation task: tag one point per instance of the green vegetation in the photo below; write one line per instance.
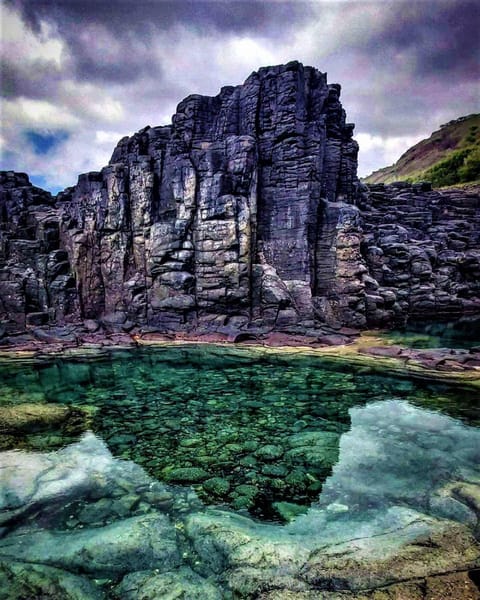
(470, 170)
(461, 166)
(450, 156)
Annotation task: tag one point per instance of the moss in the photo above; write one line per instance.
(185, 474)
(217, 486)
(288, 511)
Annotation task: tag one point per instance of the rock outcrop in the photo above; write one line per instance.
(245, 212)
(422, 250)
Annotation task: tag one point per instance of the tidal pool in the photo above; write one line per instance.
(247, 428)
(204, 447)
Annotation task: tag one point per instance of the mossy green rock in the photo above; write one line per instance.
(248, 461)
(185, 475)
(288, 511)
(269, 452)
(275, 470)
(319, 439)
(249, 491)
(242, 503)
(29, 417)
(218, 486)
(296, 478)
(190, 442)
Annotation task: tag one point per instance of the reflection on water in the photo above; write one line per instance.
(99, 525)
(462, 333)
(397, 455)
(257, 431)
(99, 459)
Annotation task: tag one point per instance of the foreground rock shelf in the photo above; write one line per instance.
(78, 523)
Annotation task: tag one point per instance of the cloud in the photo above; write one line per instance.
(31, 113)
(99, 70)
(385, 149)
(142, 16)
(434, 38)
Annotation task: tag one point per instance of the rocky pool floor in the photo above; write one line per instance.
(204, 471)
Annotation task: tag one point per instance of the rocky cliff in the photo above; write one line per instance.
(244, 213)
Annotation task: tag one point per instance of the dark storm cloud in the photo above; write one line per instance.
(102, 69)
(437, 37)
(126, 63)
(83, 23)
(148, 15)
(35, 80)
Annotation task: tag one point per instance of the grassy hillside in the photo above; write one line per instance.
(449, 156)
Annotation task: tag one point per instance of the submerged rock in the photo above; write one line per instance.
(183, 583)
(364, 535)
(34, 581)
(31, 416)
(132, 544)
(217, 486)
(289, 511)
(185, 474)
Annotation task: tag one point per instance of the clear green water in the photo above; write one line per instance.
(248, 429)
(463, 333)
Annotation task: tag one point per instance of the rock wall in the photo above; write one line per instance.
(422, 251)
(245, 212)
(37, 283)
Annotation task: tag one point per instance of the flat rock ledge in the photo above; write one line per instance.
(91, 333)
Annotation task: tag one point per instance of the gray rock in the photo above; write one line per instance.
(247, 206)
(183, 583)
(27, 580)
(134, 544)
(170, 230)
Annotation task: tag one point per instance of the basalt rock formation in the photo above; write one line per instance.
(246, 212)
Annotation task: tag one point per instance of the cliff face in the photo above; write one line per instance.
(244, 212)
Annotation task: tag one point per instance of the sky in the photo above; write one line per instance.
(78, 75)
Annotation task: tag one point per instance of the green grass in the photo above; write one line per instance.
(461, 166)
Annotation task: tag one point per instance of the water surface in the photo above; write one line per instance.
(246, 428)
(461, 333)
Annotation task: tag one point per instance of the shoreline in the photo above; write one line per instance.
(365, 349)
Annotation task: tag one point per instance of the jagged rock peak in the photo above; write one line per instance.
(245, 212)
(274, 104)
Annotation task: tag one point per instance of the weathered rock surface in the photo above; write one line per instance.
(183, 583)
(133, 544)
(244, 214)
(422, 250)
(27, 580)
